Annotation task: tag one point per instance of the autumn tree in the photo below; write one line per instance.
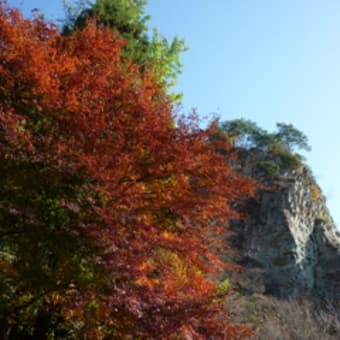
(107, 207)
(127, 18)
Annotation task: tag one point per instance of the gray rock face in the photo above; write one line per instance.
(289, 245)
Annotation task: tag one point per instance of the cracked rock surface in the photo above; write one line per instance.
(289, 244)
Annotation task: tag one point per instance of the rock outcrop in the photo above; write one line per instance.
(289, 244)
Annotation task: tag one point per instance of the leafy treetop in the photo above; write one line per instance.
(245, 133)
(281, 144)
(127, 18)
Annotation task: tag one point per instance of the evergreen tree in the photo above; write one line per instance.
(126, 17)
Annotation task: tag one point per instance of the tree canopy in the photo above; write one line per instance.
(107, 207)
(127, 18)
(246, 133)
(279, 147)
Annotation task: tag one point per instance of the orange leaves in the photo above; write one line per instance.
(143, 190)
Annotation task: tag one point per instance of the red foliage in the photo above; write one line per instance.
(153, 188)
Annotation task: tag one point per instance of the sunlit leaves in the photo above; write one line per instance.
(108, 203)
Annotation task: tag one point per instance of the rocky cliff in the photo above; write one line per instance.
(289, 243)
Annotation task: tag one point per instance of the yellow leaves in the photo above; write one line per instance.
(224, 287)
(147, 267)
(57, 298)
(150, 283)
(72, 100)
(177, 275)
(169, 236)
(168, 271)
(315, 193)
(72, 314)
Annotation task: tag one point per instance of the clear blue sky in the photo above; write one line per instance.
(265, 60)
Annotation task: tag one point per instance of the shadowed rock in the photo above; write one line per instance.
(289, 244)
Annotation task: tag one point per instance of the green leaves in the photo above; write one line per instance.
(278, 148)
(151, 52)
(245, 133)
(291, 137)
